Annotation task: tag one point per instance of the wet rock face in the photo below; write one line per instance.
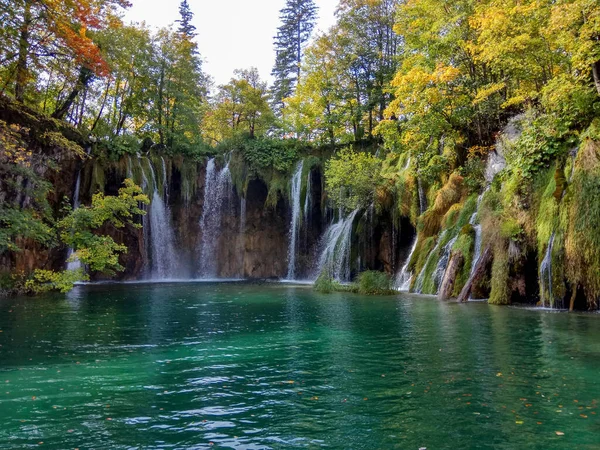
(266, 237)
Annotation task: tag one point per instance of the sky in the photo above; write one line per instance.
(232, 34)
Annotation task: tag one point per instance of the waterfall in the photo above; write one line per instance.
(336, 249)
(164, 259)
(442, 265)
(76, 264)
(295, 221)
(421, 277)
(546, 294)
(403, 278)
(165, 181)
(308, 198)
(477, 228)
(129, 168)
(216, 189)
(422, 197)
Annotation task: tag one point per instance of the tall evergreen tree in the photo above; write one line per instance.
(185, 23)
(298, 19)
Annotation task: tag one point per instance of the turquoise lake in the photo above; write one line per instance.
(271, 366)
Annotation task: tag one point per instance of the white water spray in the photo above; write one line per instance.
(295, 221)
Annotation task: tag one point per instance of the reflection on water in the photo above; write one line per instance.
(249, 367)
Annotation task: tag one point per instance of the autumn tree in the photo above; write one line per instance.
(37, 32)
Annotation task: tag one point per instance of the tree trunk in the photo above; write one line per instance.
(101, 106)
(456, 262)
(479, 272)
(573, 298)
(85, 76)
(22, 72)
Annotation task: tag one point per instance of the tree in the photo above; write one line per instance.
(241, 106)
(352, 177)
(298, 19)
(321, 110)
(575, 26)
(40, 31)
(185, 22)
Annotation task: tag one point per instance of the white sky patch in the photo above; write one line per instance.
(232, 34)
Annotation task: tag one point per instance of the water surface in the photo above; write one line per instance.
(269, 366)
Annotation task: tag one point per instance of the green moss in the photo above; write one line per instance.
(278, 186)
(500, 294)
(510, 228)
(424, 247)
(465, 246)
(547, 209)
(98, 178)
(583, 240)
(239, 172)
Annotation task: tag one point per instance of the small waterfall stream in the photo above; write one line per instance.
(403, 278)
(546, 294)
(216, 189)
(421, 277)
(477, 228)
(76, 264)
(336, 249)
(422, 197)
(295, 221)
(442, 265)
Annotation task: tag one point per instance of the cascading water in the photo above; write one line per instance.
(336, 247)
(477, 228)
(165, 181)
(161, 235)
(216, 189)
(295, 221)
(546, 294)
(442, 265)
(403, 278)
(129, 167)
(308, 198)
(422, 197)
(75, 264)
(421, 278)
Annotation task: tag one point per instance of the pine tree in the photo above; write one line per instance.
(185, 23)
(298, 19)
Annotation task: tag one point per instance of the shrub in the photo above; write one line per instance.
(48, 280)
(326, 285)
(374, 283)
